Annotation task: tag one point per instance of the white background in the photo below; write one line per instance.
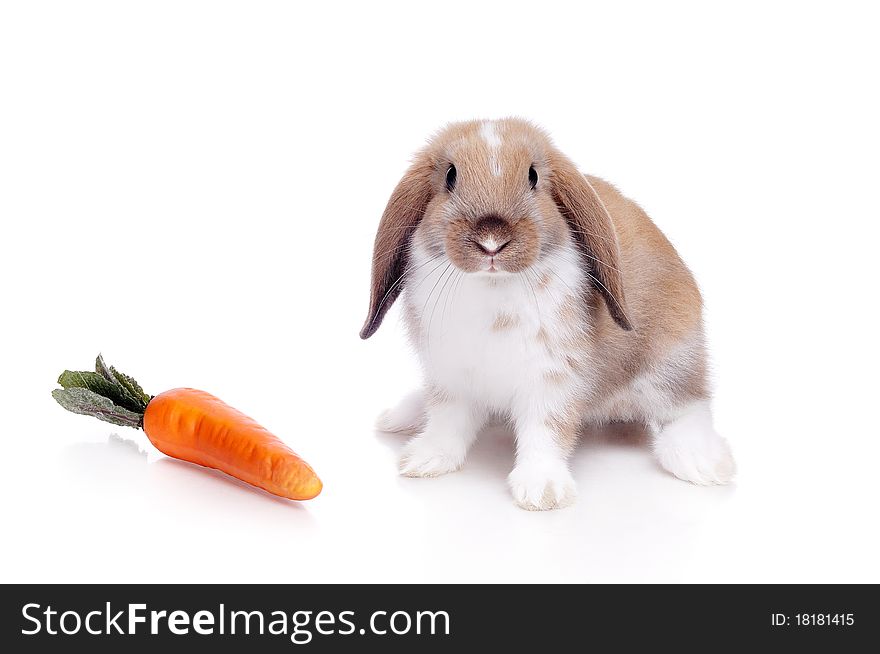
(193, 189)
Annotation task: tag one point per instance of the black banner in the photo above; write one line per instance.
(322, 618)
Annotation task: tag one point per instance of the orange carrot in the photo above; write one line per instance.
(191, 425)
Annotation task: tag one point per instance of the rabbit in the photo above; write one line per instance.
(542, 296)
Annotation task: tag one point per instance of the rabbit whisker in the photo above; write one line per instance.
(404, 274)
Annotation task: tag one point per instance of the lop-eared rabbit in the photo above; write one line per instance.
(542, 296)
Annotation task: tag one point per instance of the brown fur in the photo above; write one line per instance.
(401, 216)
(504, 321)
(565, 430)
(662, 299)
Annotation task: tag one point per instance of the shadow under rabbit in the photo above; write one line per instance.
(494, 447)
(613, 458)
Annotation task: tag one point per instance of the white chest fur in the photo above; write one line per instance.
(494, 337)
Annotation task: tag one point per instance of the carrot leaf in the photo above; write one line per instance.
(97, 384)
(125, 385)
(132, 387)
(88, 403)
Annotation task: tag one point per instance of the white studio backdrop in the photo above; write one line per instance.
(192, 188)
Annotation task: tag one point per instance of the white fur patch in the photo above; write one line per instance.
(452, 315)
(443, 445)
(541, 485)
(691, 449)
(482, 370)
(489, 132)
(407, 417)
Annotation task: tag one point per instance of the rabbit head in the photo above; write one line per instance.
(493, 197)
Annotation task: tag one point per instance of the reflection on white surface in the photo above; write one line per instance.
(631, 518)
(122, 465)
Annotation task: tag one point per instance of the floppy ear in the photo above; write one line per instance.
(593, 231)
(391, 250)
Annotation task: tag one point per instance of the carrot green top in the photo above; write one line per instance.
(106, 394)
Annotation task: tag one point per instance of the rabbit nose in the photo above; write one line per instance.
(490, 247)
(492, 234)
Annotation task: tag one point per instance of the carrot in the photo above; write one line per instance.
(191, 425)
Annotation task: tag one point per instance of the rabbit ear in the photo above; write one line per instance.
(593, 231)
(400, 219)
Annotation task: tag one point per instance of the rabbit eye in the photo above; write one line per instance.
(533, 177)
(451, 175)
